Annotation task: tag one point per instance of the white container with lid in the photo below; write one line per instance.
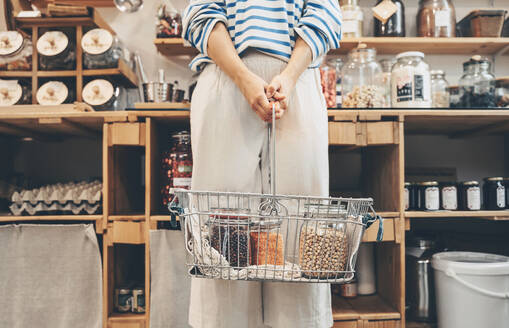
(15, 52)
(411, 81)
(56, 51)
(102, 95)
(13, 93)
(100, 49)
(52, 93)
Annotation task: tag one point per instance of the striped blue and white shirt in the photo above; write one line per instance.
(269, 26)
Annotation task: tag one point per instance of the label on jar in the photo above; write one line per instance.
(409, 86)
(350, 26)
(384, 10)
(474, 198)
(52, 43)
(98, 92)
(407, 199)
(450, 198)
(97, 41)
(10, 42)
(442, 18)
(352, 15)
(10, 92)
(501, 196)
(52, 93)
(182, 183)
(432, 198)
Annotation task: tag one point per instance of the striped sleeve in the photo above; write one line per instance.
(320, 26)
(199, 19)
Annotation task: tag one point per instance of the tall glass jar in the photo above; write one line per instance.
(100, 49)
(477, 85)
(395, 25)
(352, 18)
(104, 95)
(362, 80)
(436, 18)
(440, 97)
(330, 75)
(386, 65)
(411, 81)
(182, 166)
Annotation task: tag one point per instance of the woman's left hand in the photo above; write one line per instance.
(280, 89)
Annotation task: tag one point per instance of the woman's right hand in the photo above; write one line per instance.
(253, 88)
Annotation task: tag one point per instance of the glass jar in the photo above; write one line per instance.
(362, 80)
(429, 196)
(166, 177)
(436, 18)
(477, 85)
(182, 166)
(266, 242)
(57, 51)
(412, 196)
(502, 92)
(440, 97)
(100, 49)
(395, 25)
(386, 65)
(54, 93)
(494, 193)
(169, 23)
(449, 196)
(411, 81)
(328, 79)
(352, 19)
(506, 185)
(469, 196)
(408, 186)
(15, 92)
(454, 96)
(15, 52)
(103, 95)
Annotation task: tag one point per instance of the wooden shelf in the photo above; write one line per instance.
(383, 45)
(162, 106)
(362, 308)
(123, 73)
(486, 215)
(126, 217)
(56, 73)
(12, 218)
(115, 317)
(16, 73)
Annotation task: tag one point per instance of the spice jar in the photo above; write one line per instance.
(454, 96)
(477, 85)
(14, 92)
(15, 52)
(328, 80)
(182, 166)
(411, 81)
(436, 18)
(449, 196)
(469, 196)
(352, 19)
(229, 235)
(362, 80)
(267, 245)
(102, 95)
(386, 65)
(395, 25)
(439, 90)
(56, 51)
(169, 23)
(494, 193)
(429, 196)
(502, 92)
(100, 49)
(54, 93)
(337, 64)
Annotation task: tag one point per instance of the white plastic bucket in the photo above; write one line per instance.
(472, 290)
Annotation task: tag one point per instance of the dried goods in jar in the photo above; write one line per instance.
(266, 248)
(365, 96)
(436, 18)
(15, 52)
(231, 240)
(328, 80)
(169, 23)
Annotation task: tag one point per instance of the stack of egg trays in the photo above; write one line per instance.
(75, 198)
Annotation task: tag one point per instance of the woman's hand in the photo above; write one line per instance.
(280, 89)
(253, 88)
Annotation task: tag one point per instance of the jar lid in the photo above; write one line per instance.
(52, 43)
(448, 183)
(97, 41)
(429, 183)
(98, 92)
(469, 183)
(410, 54)
(124, 291)
(10, 92)
(437, 72)
(266, 224)
(494, 179)
(52, 93)
(408, 184)
(10, 42)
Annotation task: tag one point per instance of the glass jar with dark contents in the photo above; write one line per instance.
(506, 185)
(477, 85)
(167, 172)
(469, 196)
(429, 196)
(395, 25)
(103, 95)
(494, 193)
(57, 51)
(101, 49)
(449, 196)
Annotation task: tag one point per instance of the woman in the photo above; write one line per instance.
(254, 52)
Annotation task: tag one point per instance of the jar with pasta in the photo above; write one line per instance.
(353, 19)
(15, 52)
(362, 80)
(436, 18)
(440, 97)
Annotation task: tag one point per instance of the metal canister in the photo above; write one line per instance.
(138, 303)
(123, 299)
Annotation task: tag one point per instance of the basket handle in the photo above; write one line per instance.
(271, 140)
(451, 273)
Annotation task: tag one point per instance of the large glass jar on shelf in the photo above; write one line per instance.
(436, 18)
(104, 95)
(440, 97)
(169, 23)
(411, 81)
(100, 49)
(57, 50)
(353, 18)
(330, 75)
(15, 92)
(362, 80)
(395, 25)
(15, 52)
(477, 85)
(386, 65)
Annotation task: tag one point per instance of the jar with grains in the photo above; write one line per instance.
(411, 81)
(229, 235)
(103, 95)
(101, 49)
(436, 18)
(386, 65)
(477, 85)
(440, 97)
(15, 52)
(352, 19)
(57, 50)
(494, 193)
(395, 25)
(15, 92)
(267, 245)
(362, 80)
(469, 196)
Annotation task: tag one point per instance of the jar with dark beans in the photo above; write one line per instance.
(429, 196)
(229, 235)
(494, 193)
(506, 185)
(101, 49)
(477, 85)
(454, 96)
(57, 50)
(407, 195)
(469, 196)
(103, 95)
(449, 196)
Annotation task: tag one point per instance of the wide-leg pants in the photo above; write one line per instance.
(229, 144)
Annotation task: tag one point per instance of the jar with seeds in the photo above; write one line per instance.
(266, 241)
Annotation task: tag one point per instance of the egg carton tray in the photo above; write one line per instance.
(55, 208)
(74, 192)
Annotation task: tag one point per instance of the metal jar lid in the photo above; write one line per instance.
(448, 184)
(469, 183)
(139, 290)
(124, 291)
(494, 179)
(410, 54)
(408, 184)
(429, 184)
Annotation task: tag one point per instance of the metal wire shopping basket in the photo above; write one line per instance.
(248, 236)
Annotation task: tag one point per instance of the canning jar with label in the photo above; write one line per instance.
(15, 52)
(449, 196)
(494, 193)
(55, 93)
(100, 49)
(440, 97)
(182, 166)
(469, 196)
(57, 51)
(429, 196)
(352, 19)
(103, 95)
(436, 18)
(15, 92)
(411, 81)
